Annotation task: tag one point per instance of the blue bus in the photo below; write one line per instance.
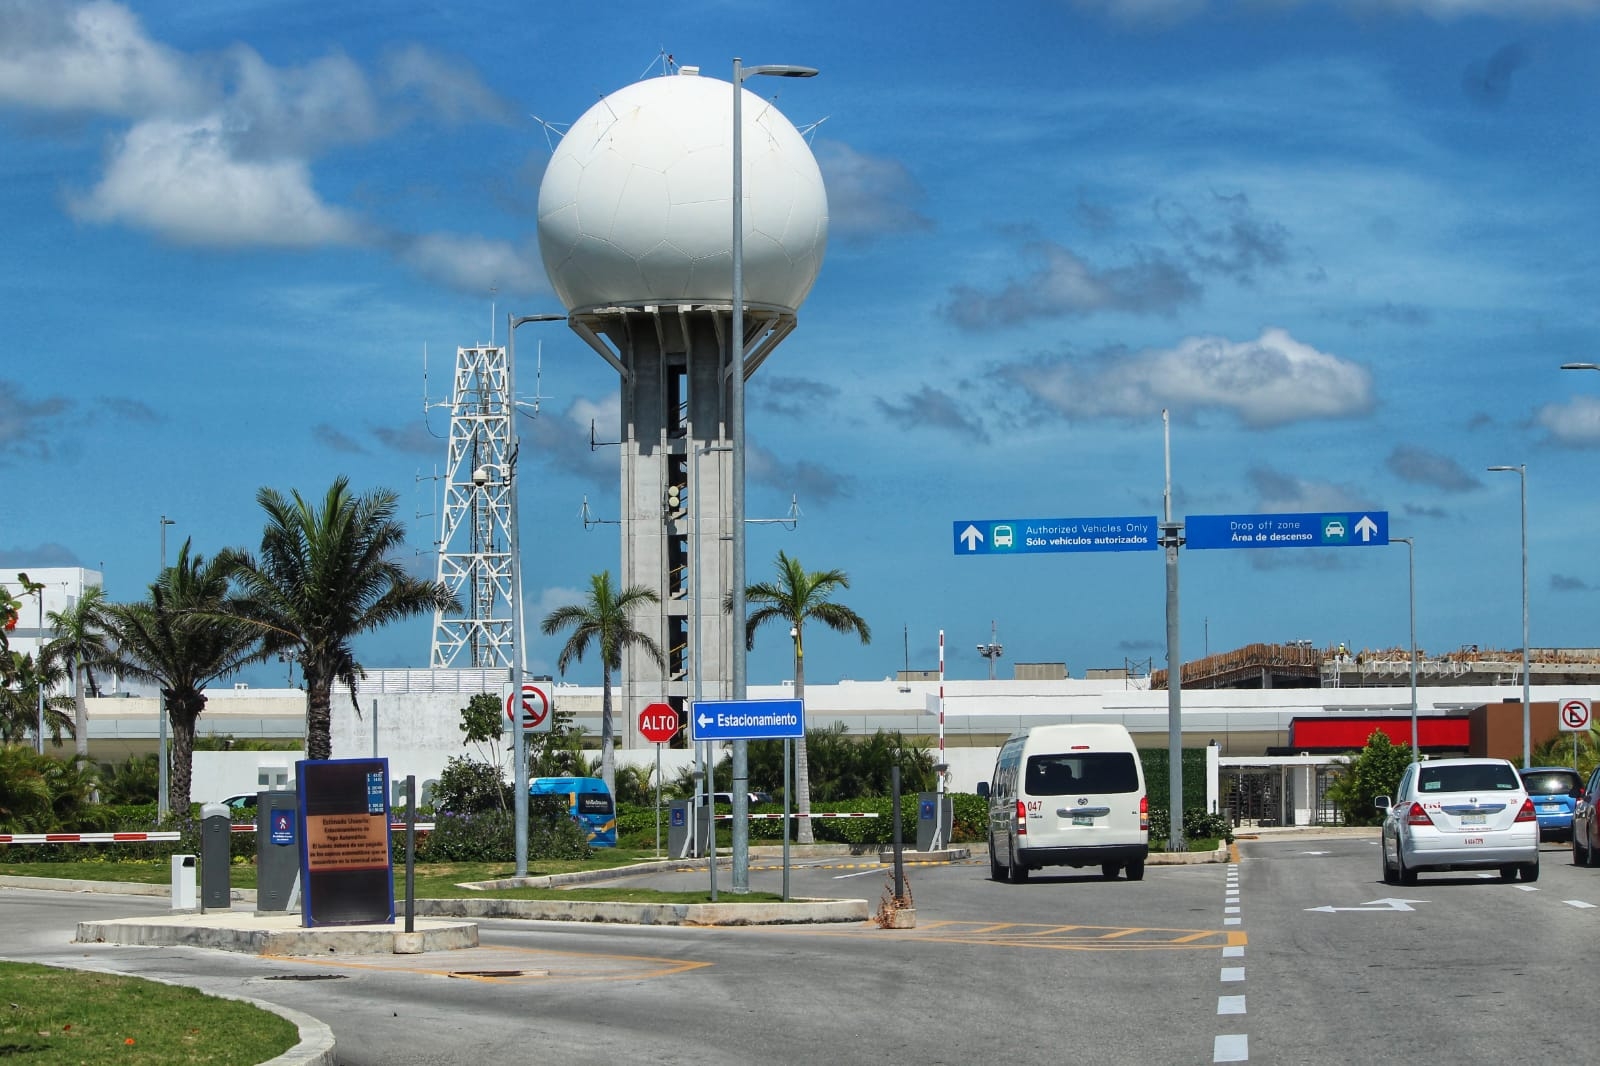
(588, 801)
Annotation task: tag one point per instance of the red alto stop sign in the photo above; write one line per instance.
(658, 722)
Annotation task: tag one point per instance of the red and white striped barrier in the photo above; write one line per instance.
(399, 827)
(83, 838)
(796, 814)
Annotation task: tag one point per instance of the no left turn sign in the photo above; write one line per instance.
(1574, 716)
(535, 708)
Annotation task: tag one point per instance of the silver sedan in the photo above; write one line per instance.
(1459, 814)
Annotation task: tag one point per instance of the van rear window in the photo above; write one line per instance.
(1097, 772)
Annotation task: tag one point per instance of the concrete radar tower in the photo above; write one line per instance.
(635, 228)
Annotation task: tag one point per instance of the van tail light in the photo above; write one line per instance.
(1527, 814)
(1022, 819)
(1417, 816)
(1144, 814)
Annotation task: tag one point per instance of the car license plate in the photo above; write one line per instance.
(1082, 819)
(1549, 808)
(1472, 819)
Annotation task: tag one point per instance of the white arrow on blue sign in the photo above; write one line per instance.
(747, 720)
(1324, 529)
(1024, 536)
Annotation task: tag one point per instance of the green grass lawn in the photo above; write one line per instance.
(54, 1017)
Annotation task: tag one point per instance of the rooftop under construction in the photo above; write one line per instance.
(1300, 665)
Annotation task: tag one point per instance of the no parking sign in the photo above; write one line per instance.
(1574, 716)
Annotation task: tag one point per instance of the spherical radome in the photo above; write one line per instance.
(636, 206)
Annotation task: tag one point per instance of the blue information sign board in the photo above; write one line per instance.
(1023, 536)
(1324, 529)
(747, 720)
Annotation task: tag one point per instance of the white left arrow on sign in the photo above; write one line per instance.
(1377, 906)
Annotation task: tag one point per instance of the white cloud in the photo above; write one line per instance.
(280, 111)
(476, 264)
(1271, 381)
(1160, 13)
(1574, 424)
(1281, 493)
(868, 195)
(451, 88)
(179, 180)
(89, 57)
(1064, 283)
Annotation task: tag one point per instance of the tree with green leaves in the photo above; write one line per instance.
(81, 644)
(604, 621)
(323, 577)
(182, 638)
(20, 703)
(794, 598)
(1372, 772)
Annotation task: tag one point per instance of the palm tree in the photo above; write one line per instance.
(182, 639)
(605, 619)
(81, 643)
(796, 596)
(19, 699)
(324, 577)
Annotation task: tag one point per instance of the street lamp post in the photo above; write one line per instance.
(519, 739)
(162, 771)
(1411, 570)
(1521, 470)
(991, 650)
(741, 764)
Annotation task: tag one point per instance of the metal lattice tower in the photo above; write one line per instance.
(475, 536)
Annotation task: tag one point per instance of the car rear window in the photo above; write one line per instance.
(1552, 782)
(1081, 773)
(1473, 777)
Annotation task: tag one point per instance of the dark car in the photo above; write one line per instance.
(1554, 791)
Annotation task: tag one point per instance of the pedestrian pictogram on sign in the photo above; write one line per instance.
(1574, 716)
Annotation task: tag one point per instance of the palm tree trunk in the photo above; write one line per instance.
(802, 764)
(80, 716)
(608, 772)
(183, 711)
(319, 717)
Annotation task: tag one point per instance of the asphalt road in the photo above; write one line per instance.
(1194, 964)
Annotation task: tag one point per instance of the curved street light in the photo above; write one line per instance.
(1521, 470)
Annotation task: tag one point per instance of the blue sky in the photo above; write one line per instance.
(1348, 243)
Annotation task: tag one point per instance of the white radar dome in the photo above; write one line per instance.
(636, 206)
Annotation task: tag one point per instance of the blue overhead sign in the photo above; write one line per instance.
(1024, 536)
(1335, 529)
(747, 720)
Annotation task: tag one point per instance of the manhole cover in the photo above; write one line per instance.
(307, 977)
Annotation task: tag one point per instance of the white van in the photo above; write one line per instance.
(1067, 795)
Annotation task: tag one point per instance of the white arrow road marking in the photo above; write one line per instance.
(1377, 906)
(1578, 903)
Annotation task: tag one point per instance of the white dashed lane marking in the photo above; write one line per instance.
(1580, 904)
(1231, 1047)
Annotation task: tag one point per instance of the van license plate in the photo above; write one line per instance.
(1082, 819)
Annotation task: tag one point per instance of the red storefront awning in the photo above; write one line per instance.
(1341, 733)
